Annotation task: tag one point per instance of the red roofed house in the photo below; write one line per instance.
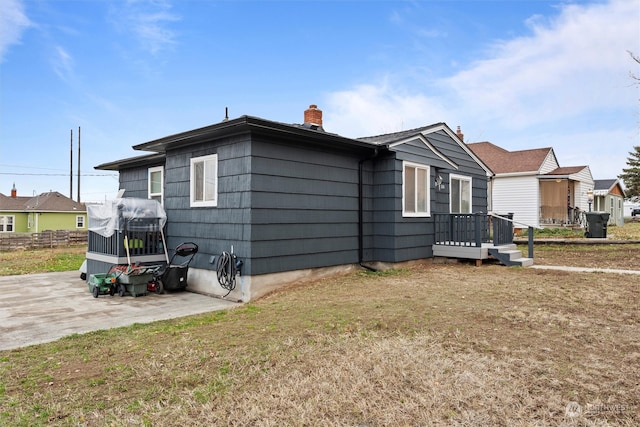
(532, 185)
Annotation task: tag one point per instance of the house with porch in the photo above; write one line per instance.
(43, 212)
(534, 187)
(289, 200)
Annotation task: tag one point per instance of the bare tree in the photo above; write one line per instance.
(631, 74)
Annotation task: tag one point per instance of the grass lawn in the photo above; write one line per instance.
(427, 344)
(41, 260)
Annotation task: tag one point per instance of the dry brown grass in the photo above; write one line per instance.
(41, 260)
(427, 345)
(430, 344)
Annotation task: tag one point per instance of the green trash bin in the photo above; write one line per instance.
(597, 224)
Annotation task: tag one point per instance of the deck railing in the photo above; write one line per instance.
(461, 229)
(502, 229)
(140, 239)
(138, 243)
(473, 229)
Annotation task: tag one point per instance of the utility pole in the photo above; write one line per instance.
(71, 166)
(78, 164)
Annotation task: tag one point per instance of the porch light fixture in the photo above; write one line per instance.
(438, 182)
(590, 198)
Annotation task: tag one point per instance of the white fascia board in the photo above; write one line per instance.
(462, 145)
(516, 174)
(426, 142)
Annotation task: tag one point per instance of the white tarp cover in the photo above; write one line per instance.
(114, 215)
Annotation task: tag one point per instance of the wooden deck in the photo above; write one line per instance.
(506, 254)
(450, 250)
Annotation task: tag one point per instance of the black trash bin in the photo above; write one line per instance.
(597, 224)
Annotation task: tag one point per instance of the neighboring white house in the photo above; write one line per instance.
(532, 185)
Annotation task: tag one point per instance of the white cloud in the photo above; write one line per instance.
(62, 63)
(571, 65)
(566, 85)
(149, 22)
(371, 109)
(13, 22)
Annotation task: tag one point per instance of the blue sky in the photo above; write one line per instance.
(521, 74)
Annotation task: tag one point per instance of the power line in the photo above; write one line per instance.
(31, 167)
(54, 174)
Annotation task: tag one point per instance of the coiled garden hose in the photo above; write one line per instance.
(226, 271)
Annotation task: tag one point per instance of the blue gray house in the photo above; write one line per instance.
(290, 200)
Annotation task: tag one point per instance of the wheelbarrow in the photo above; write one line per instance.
(133, 279)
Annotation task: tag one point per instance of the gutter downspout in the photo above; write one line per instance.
(361, 212)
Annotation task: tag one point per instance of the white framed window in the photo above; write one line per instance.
(460, 194)
(415, 190)
(79, 221)
(156, 184)
(7, 223)
(204, 181)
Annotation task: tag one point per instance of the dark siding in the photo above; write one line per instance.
(467, 166)
(135, 181)
(385, 207)
(396, 238)
(285, 206)
(304, 207)
(213, 229)
(297, 209)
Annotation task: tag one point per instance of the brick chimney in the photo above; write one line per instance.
(14, 192)
(460, 134)
(313, 116)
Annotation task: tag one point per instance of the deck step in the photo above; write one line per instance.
(509, 256)
(524, 262)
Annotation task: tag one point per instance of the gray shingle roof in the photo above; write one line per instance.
(603, 184)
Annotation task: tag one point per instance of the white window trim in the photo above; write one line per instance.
(192, 190)
(80, 218)
(4, 222)
(461, 178)
(161, 194)
(427, 168)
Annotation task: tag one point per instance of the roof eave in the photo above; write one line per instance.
(248, 124)
(132, 162)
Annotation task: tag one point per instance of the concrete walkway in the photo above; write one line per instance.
(584, 269)
(38, 308)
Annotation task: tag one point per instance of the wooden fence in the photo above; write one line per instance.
(45, 239)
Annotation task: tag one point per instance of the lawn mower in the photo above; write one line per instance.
(174, 276)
